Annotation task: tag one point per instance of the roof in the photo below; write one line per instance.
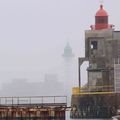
(101, 12)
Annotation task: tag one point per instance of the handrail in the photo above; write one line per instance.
(93, 89)
(32, 100)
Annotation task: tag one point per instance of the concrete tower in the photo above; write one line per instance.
(68, 58)
(100, 98)
(68, 68)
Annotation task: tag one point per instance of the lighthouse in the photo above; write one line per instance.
(68, 54)
(100, 97)
(69, 70)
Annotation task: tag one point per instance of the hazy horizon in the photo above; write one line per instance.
(33, 34)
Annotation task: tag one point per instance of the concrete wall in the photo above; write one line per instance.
(95, 106)
(101, 57)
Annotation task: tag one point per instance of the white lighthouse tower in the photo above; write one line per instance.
(68, 69)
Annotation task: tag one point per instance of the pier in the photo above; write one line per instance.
(33, 108)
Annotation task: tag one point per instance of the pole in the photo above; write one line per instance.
(79, 74)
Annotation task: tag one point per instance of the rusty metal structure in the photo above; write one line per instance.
(33, 108)
(100, 96)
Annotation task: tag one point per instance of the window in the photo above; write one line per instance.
(102, 20)
(93, 44)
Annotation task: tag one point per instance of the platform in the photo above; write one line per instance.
(33, 107)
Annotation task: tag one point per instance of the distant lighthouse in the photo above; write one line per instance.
(68, 68)
(68, 54)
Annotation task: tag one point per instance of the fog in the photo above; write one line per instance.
(33, 34)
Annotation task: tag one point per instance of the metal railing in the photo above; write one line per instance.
(93, 89)
(33, 108)
(29, 100)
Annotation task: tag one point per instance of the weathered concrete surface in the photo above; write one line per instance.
(95, 105)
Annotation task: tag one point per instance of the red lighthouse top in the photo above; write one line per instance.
(101, 20)
(101, 12)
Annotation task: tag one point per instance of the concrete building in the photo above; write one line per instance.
(102, 51)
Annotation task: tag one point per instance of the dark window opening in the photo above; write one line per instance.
(93, 44)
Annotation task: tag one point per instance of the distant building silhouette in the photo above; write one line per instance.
(21, 87)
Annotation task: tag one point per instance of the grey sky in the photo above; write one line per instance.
(33, 33)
